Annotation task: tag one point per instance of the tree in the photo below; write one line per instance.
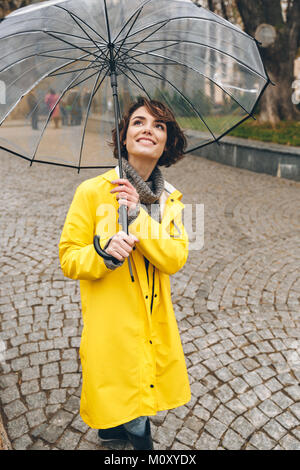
(279, 58)
(8, 6)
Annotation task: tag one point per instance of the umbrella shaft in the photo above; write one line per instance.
(114, 86)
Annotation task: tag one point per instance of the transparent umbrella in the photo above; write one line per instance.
(69, 68)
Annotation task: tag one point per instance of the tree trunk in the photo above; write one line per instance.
(276, 103)
(7, 6)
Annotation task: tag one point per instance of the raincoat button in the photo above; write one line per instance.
(134, 248)
(152, 386)
(155, 295)
(150, 341)
(146, 296)
(172, 200)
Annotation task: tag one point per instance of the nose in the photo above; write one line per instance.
(147, 129)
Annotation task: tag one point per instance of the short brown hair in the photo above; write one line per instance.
(176, 141)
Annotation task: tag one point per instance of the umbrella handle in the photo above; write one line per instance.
(101, 252)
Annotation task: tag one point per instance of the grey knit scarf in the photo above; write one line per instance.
(149, 191)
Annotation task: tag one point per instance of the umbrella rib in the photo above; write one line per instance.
(139, 84)
(181, 94)
(66, 58)
(130, 49)
(84, 22)
(42, 55)
(190, 18)
(67, 88)
(69, 43)
(157, 49)
(136, 18)
(35, 84)
(129, 19)
(74, 71)
(197, 71)
(204, 45)
(88, 111)
(84, 31)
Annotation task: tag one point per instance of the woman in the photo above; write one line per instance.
(132, 359)
(51, 100)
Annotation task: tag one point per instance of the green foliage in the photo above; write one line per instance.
(285, 133)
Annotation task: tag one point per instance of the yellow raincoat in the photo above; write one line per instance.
(131, 354)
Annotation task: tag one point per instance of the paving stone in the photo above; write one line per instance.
(29, 387)
(232, 441)
(30, 373)
(209, 402)
(238, 385)
(187, 436)
(194, 423)
(282, 400)
(79, 425)
(236, 406)
(22, 443)
(269, 408)
(224, 415)
(181, 411)
(50, 370)
(17, 427)
(71, 380)
(14, 409)
(274, 430)
(165, 436)
(261, 441)
(289, 442)
(57, 396)
(9, 394)
(36, 417)
(172, 421)
(215, 428)
(207, 442)
(36, 400)
(262, 392)
(224, 393)
(287, 420)
(49, 383)
(256, 417)
(294, 392)
(201, 413)
(295, 409)
(243, 427)
(69, 440)
(51, 433)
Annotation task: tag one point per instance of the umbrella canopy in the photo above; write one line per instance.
(60, 61)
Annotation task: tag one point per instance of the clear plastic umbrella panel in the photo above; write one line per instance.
(69, 68)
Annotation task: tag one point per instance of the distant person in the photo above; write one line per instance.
(51, 100)
(33, 106)
(64, 111)
(74, 101)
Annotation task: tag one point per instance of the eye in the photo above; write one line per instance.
(138, 121)
(161, 126)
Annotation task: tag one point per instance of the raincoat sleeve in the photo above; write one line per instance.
(78, 257)
(165, 245)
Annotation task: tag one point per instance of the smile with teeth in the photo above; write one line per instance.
(144, 140)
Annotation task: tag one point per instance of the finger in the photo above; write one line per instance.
(122, 182)
(125, 189)
(131, 239)
(115, 254)
(123, 249)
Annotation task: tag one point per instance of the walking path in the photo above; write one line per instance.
(236, 302)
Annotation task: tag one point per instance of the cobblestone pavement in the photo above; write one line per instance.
(236, 302)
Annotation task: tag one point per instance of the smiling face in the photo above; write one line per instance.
(146, 136)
